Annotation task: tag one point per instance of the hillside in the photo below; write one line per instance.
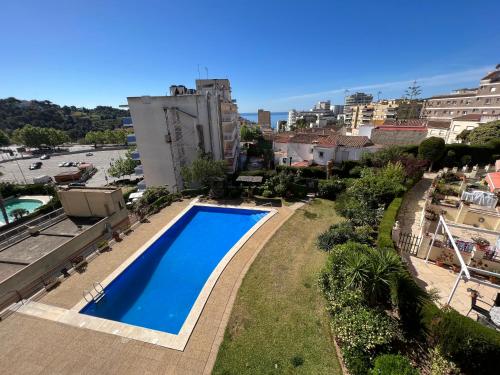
(15, 113)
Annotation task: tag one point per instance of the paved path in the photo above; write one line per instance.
(410, 213)
(33, 345)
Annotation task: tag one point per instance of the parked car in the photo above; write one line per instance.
(36, 165)
(44, 157)
(77, 184)
(42, 179)
(67, 164)
(89, 154)
(61, 164)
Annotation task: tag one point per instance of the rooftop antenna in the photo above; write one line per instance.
(199, 75)
(378, 96)
(206, 70)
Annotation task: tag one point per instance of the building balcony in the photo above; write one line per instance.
(230, 148)
(131, 139)
(139, 171)
(135, 155)
(127, 122)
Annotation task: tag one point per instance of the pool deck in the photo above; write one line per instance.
(34, 345)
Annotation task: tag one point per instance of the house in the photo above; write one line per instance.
(408, 132)
(467, 122)
(306, 148)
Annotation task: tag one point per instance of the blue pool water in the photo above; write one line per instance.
(159, 288)
(29, 205)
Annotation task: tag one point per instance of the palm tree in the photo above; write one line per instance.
(19, 213)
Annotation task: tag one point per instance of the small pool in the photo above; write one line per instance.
(28, 204)
(160, 287)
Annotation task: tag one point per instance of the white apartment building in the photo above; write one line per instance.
(171, 131)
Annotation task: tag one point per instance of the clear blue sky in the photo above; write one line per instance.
(278, 54)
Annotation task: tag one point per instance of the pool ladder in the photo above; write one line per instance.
(98, 294)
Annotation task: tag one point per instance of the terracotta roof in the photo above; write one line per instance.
(415, 124)
(356, 141)
(469, 117)
(438, 124)
(301, 164)
(394, 135)
(493, 180)
(452, 95)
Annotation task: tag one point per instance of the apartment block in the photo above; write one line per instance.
(171, 131)
(358, 98)
(264, 118)
(484, 100)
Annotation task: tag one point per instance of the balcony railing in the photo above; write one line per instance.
(131, 139)
(135, 155)
(138, 171)
(127, 122)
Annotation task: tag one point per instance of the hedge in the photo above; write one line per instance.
(384, 238)
(483, 154)
(307, 172)
(393, 364)
(472, 346)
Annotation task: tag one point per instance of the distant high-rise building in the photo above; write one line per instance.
(484, 100)
(358, 98)
(264, 118)
(171, 131)
(325, 105)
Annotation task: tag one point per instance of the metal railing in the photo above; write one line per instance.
(18, 233)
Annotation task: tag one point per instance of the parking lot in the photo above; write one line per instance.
(19, 172)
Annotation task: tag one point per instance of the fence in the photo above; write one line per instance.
(409, 243)
(18, 233)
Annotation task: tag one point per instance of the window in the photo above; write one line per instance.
(451, 112)
(470, 127)
(485, 112)
(456, 128)
(464, 112)
(474, 110)
(321, 154)
(487, 101)
(493, 89)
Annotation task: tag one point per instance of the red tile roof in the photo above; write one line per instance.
(355, 141)
(469, 117)
(493, 180)
(414, 124)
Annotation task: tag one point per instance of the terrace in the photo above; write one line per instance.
(458, 249)
(62, 348)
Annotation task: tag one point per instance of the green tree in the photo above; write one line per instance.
(431, 149)
(249, 133)
(483, 134)
(123, 166)
(4, 139)
(29, 136)
(54, 137)
(204, 171)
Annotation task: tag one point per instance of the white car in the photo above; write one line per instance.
(61, 164)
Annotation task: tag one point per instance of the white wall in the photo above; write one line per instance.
(457, 127)
(151, 127)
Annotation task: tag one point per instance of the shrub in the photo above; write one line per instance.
(307, 172)
(330, 188)
(431, 149)
(393, 364)
(341, 233)
(364, 330)
(267, 194)
(384, 239)
(472, 346)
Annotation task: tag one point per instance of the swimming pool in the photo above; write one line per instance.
(160, 287)
(29, 205)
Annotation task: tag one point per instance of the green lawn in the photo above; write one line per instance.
(279, 324)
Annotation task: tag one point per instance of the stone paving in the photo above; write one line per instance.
(38, 346)
(428, 275)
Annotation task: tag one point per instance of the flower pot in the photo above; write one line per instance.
(493, 279)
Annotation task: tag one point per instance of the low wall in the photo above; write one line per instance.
(31, 278)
